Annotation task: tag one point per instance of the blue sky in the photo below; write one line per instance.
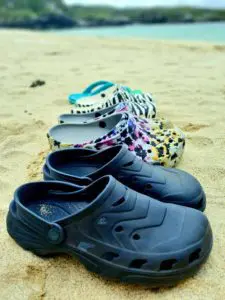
(121, 3)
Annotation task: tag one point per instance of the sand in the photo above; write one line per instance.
(188, 82)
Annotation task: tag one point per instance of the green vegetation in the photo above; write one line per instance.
(30, 10)
(137, 14)
(93, 12)
(12, 10)
(174, 14)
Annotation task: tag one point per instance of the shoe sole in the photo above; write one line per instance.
(108, 269)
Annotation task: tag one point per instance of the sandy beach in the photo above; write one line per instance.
(188, 82)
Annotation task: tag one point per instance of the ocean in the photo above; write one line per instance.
(208, 32)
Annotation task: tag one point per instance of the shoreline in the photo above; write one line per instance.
(37, 25)
(219, 46)
(192, 33)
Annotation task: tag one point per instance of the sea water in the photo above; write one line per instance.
(209, 32)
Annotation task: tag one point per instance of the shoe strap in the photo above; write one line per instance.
(51, 233)
(93, 89)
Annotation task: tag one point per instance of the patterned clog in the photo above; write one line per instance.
(151, 144)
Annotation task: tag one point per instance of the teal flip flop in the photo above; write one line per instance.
(92, 90)
(96, 88)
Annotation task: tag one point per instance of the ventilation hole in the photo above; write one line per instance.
(111, 112)
(103, 95)
(194, 255)
(148, 186)
(200, 204)
(102, 124)
(110, 256)
(119, 228)
(136, 236)
(128, 164)
(97, 115)
(119, 202)
(167, 264)
(137, 263)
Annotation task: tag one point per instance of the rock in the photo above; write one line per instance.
(37, 83)
(49, 21)
(92, 22)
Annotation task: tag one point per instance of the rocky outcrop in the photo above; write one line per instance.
(54, 14)
(44, 22)
(52, 21)
(118, 21)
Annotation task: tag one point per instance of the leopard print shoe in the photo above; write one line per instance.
(150, 144)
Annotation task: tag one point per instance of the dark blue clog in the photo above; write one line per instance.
(113, 230)
(82, 166)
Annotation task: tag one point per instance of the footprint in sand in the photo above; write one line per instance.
(34, 168)
(34, 276)
(59, 102)
(13, 129)
(33, 271)
(5, 116)
(190, 127)
(4, 186)
(201, 141)
(16, 129)
(3, 169)
(54, 53)
(3, 68)
(121, 81)
(16, 154)
(220, 48)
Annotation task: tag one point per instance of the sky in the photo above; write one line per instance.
(122, 3)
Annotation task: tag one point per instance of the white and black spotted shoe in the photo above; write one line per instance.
(130, 107)
(140, 104)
